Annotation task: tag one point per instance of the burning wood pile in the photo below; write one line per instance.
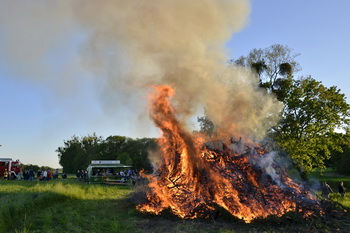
(195, 176)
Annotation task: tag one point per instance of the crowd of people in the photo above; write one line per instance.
(82, 176)
(40, 175)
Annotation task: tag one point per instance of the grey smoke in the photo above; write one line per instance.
(129, 45)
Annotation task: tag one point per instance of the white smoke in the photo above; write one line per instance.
(130, 45)
(269, 165)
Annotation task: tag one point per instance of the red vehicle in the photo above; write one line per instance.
(12, 167)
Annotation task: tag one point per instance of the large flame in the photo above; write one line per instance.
(195, 177)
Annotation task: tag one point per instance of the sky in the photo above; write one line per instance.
(62, 66)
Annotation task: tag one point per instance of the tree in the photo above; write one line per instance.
(312, 113)
(138, 150)
(340, 160)
(77, 153)
(92, 150)
(115, 145)
(271, 64)
(69, 154)
(311, 117)
(125, 158)
(206, 125)
(30, 166)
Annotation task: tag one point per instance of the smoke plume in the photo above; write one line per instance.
(130, 45)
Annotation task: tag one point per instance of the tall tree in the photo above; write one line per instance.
(70, 154)
(271, 64)
(311, 117)
(115, 145)
(312, 112)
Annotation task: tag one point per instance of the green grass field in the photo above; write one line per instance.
(72, 206)
(333, 180)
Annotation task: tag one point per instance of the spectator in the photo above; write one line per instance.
(31, 175)
(6, 174)
(341, 189)
(19, 176)
(49, 174)
(78, 174)
(86, 177)
(121, 173)
(55, 175)
(44, 175)
(129, 173)
(326, 190)
(26, 175)
(39, 175)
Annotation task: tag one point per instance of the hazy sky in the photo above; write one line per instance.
(57, 60)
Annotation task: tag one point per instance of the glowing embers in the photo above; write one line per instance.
(195, 177)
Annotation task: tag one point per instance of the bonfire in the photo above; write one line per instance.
(197, 174)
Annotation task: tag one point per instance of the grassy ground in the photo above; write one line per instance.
(71, 206)
(63, 206)
(333, 180)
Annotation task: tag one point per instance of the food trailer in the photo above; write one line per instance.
(108, 172)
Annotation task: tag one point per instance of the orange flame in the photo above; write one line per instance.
(194, 178)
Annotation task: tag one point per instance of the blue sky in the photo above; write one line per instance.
(38, 114)
(318, 30)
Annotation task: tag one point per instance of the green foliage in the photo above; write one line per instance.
(341, 159)
(70, 206)
(259, 67)
(206, 125)
(63, 207)
(77, 153)
(311, 116)
(138, 150)
(125, 158)
(312, 112)
(271, 63)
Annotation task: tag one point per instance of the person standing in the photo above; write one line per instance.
(6, 174)
(44, 173)
(326, 190)
(20, 175)
(55, 176)
(341, 189)
(78, 174)
(39, 175)
(31, 174)
(86, 177)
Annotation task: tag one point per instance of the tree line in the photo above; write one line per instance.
(77, 152)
